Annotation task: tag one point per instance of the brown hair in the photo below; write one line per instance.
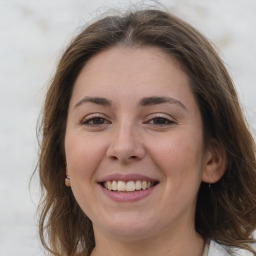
(225, 212)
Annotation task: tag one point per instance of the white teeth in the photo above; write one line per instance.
(121, 186)
(109, 186)
(138, 185)
(114, 185)
(144, 185)
(129, 186)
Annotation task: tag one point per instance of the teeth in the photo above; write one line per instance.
(114, 185)
(121, 186)
(109, 186)
(138, 185)
(129, 186)
(144, 185)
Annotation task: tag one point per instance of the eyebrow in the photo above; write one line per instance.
(147, 101)
(96, 100)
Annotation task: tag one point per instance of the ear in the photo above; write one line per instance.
(215, 163)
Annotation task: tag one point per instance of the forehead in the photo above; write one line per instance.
(132, 72)
(130, 60)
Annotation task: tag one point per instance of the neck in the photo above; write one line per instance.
(177, 244)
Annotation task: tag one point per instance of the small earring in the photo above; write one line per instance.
(67, 181)
(210, 187)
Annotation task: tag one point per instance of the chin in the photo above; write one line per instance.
(128, 227)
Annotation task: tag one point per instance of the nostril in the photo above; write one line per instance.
(114, 158)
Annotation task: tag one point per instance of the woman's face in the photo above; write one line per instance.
(134, 144)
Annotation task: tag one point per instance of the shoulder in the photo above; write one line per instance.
(216, 249)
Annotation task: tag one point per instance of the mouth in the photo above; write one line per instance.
(128, 186)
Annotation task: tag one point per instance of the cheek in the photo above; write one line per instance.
(83, 155)
(180, 157)
(180, 161)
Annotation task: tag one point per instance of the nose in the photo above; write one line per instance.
(126, 144)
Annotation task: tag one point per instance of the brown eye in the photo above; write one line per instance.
(161, 121)
(95, 121)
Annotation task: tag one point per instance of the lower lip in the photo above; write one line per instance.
(127, 196)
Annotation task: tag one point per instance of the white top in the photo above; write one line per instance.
(216, 249)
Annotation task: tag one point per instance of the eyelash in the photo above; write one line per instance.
(163, 121)
(90, 121)
(97, 121)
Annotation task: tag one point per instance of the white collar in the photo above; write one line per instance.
(216, 249)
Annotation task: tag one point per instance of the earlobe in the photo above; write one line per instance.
(215, 163)
(67, 181)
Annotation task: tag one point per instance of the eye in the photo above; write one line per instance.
(160, 121)
(94, 121)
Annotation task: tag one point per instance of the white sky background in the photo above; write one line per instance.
(33, 34)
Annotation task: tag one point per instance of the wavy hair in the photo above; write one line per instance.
(226, 212)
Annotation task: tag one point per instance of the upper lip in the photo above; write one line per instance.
(126, 177)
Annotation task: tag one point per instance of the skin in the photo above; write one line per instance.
(162, 141)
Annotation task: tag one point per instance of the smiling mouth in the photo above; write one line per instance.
(129, 186)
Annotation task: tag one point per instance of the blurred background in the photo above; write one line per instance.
(33, 34)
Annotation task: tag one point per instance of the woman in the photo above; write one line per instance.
(143, 124)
